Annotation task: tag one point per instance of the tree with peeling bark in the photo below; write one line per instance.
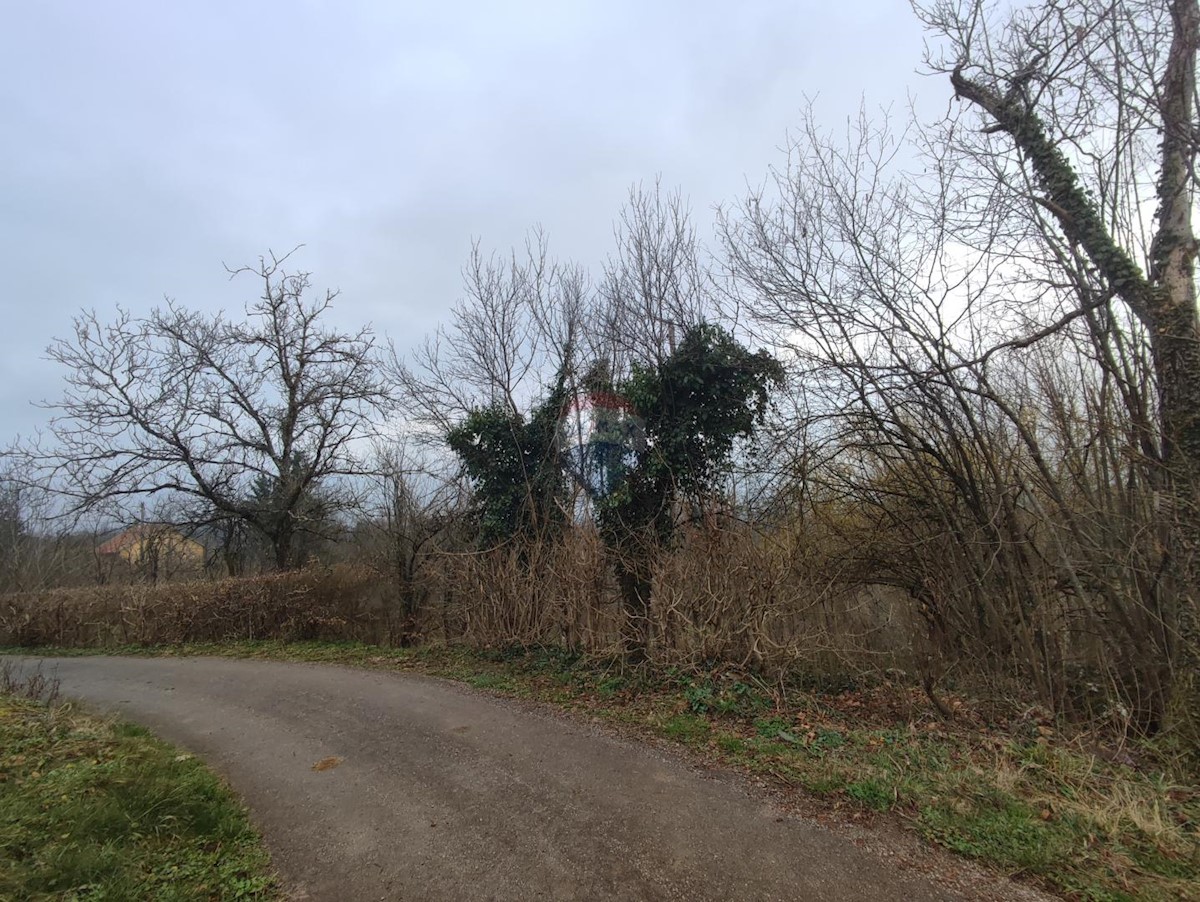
(205, 411)
(1085, 106)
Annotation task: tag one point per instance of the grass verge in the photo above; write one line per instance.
(93, 809)
(1020, 797)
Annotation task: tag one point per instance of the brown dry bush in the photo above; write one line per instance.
(530, 593)
(771, 602)
(726, 595)
(318, 603)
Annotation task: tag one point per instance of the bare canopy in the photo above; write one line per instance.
(239, 420)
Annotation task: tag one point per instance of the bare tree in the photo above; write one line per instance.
(949, 337)
(507, 336)
(655, 285)
(40, 547)
(1089, 109)
(247, 421)
(13, 533)
(493, 384)
(411, 507)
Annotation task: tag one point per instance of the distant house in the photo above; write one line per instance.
(154, 551)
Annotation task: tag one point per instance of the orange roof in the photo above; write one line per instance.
(132, 536)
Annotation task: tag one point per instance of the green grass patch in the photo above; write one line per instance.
(876, 794)
(687, 728)
(494, 681)
(95, 810)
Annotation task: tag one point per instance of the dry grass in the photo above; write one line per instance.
(318, 603)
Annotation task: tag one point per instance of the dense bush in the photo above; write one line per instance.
(316, 603)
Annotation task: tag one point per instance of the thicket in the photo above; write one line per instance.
(316, 603)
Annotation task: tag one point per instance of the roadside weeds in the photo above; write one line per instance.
(93, 808)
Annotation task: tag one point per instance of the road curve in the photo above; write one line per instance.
(443, 793)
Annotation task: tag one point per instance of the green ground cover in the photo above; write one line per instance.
(95, 809)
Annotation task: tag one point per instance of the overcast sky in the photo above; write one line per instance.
(146, 144)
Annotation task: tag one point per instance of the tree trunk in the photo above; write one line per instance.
(283, 541)
(634, 580)
(1175, 327)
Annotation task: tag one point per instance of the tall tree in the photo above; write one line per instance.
(984, 311)
(204, 408)
(1096, 101)
(696, 404)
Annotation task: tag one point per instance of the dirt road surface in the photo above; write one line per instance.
(432, 791)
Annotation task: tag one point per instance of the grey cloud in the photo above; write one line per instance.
(147, 143)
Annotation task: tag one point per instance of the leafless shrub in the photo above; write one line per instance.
(317, 603)
(755, 600)
(721, 596)
(531, 593)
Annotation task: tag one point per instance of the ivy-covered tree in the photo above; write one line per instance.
(696, 404)
(512, 462)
